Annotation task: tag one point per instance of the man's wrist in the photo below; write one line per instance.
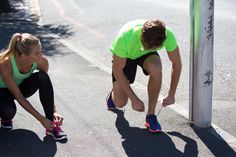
(171, 93)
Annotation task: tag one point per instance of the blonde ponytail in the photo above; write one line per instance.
(21, 44)
(12, 43)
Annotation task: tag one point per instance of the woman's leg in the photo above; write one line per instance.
(40, 80)
(7, 108)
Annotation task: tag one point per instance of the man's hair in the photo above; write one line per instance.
(153, 34)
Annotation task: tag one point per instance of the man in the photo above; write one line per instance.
(137, 44)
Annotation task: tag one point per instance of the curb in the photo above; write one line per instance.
(34, 11)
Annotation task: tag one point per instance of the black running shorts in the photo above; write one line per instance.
(131, 67)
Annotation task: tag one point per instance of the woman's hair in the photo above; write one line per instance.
(153, 34)
(22, 44)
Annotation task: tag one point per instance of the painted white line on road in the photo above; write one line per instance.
(74, 5)
(34, 4)
(81, 51)
(83, 26)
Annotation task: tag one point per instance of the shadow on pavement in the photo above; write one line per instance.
(139, 142)
(9, 26)
(22, 143)
(61, 30)
(214, 142)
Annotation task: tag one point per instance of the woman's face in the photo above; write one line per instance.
(36, 53)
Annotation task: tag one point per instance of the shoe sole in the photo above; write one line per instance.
(57, 139)
(7, 127)
(153, 131)
(111, 109)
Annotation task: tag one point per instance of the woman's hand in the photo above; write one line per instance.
(58, 119)
(49, 125)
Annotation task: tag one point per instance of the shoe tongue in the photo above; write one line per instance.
(152, 116)
(56, 123)
(57, 128)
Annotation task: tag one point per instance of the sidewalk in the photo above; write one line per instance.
(92, 130)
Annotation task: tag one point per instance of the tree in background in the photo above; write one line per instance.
(5, 6)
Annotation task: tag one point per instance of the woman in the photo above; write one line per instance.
(19, 81)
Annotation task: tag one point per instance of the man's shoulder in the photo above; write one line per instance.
(137, 22)
(170, 43)
(131, 26)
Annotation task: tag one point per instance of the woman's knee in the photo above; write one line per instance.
(43, 76)
(8, 112)
(44, 81)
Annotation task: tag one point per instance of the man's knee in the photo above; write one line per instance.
(153, 66)
(120, 102)
(155, 72)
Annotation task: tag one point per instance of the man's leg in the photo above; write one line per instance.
(119, 97)
(152, 64)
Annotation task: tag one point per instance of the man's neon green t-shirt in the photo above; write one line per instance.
(128, 44)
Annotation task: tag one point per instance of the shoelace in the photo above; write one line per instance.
(159, 111)
(57, 129)
(153, 119)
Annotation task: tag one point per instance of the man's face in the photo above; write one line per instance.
(147, 46)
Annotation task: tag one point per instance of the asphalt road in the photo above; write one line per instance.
(91, 26)
(81, 87)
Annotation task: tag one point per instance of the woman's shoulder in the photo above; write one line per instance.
(5, 63)
(43, 64)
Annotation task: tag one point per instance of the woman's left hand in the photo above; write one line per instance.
(58, 119)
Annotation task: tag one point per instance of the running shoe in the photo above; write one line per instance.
(6, 124)
(56, 133)
(110, 104)
(152, 123)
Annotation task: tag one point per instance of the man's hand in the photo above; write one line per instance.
(58, 119)
(168, 100)
(138, 105)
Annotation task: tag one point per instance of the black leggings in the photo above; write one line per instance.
(39, 80)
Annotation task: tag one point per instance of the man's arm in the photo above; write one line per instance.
(117, 68)
(175, 58)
